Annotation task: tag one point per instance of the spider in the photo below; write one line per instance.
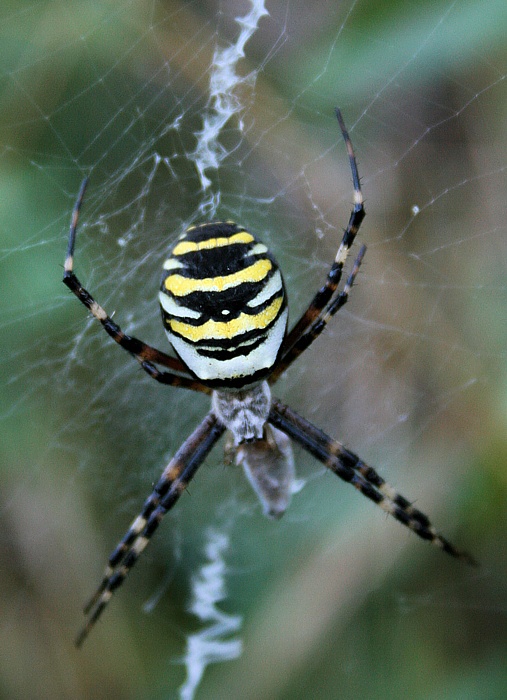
(224, 309)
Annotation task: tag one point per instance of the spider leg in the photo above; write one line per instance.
(323, 296)
(145, 354)
(172, 379)
(349, 467)
(166, 492)
(320, 322)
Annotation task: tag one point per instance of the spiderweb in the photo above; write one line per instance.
(181, 112)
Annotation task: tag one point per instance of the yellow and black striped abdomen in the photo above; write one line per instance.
(223, 304)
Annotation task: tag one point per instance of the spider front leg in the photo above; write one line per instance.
(349, 467)
(144, 354)
(325, 304)
(307, 338)
(174, 480)
(357, 215)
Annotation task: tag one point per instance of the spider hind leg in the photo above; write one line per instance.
(167, 491)
(350, 468)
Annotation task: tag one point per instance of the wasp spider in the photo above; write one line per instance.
(224, 308)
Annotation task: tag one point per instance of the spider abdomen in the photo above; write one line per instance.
(223, 304)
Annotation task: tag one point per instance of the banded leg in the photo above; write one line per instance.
(171, 379)
(349, 467)
(145, 354)
(320, 323)
(174, 480)
(325, 293)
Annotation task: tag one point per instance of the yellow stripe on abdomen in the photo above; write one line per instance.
(180, 286)
(216, 330)
(210, 243)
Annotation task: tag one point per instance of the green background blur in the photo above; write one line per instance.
(337, 601)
